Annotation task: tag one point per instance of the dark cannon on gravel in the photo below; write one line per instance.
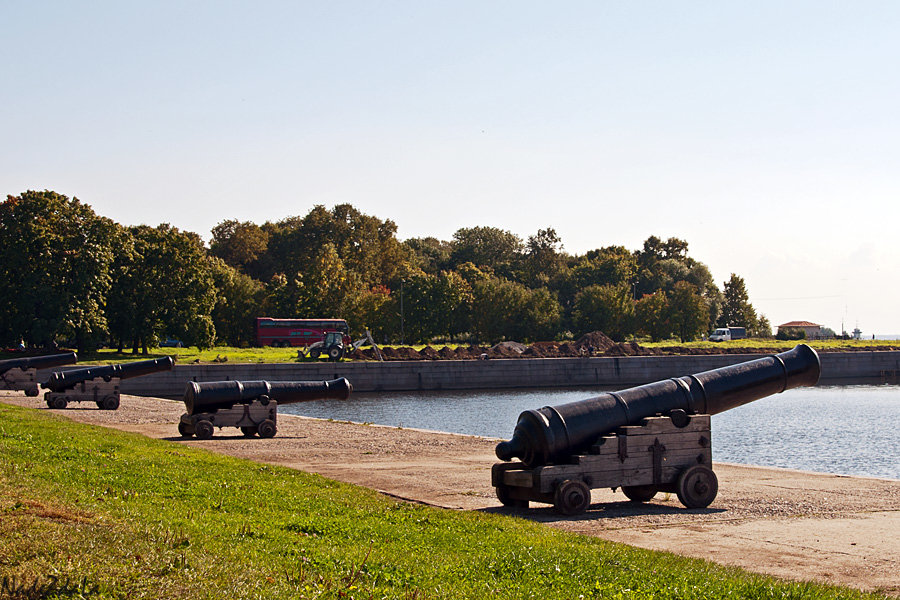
(21, 373)
(647, 439)
(98, 384)
(250, 405)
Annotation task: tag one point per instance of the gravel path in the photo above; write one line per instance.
(792, 524)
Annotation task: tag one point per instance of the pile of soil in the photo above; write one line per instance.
(628, 349)
(595, 343)
(507, 350)
(429, 353)
(447, 353)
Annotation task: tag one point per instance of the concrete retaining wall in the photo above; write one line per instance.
(844, 368)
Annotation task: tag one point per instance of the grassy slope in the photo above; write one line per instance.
(116, 515)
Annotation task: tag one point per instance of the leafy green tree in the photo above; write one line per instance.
(420, 319)
(165, 287)
(763, 328)
(237, 243)
(736, 308)
(497, 249)
(320, 287)
(55, 256)
(433, 305)
(429, 254)
(239, 300)
(544, 258)
(373, 309)
(660, 264)
(503, 309)
(613, 265)
(688, 312)
(607, 308)
(541, 317)
(652, 316)
(365, 245)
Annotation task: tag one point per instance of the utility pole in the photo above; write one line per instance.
(402, 337)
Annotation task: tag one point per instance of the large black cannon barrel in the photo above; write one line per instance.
(554, 433)
(209, 396)
(39, 362)
(63, 380)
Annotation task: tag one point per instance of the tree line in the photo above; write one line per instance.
(74, 277)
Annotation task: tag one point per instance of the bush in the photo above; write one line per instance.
(791, 333)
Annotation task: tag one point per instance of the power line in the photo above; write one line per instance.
(802, 298)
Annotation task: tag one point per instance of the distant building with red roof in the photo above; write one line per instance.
(813, 330)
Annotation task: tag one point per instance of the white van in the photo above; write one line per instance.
(726, 334)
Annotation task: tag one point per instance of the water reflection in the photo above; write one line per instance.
(846, 430)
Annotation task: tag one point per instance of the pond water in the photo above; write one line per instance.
(850, 430)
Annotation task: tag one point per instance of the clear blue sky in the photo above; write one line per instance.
(766, 134)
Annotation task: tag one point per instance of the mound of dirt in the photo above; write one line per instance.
(569, 349)
(505, 351)
(628, 349)
(540, 350)
(429, 353)
(471, 353)
(595, 341)
(515, 346)
(407, 353)
(446, 353)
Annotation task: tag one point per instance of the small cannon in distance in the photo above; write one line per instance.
(646, 439)
(251, 406)
(98, 384)
(21, 373)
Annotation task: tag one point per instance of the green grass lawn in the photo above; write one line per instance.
(90, 512)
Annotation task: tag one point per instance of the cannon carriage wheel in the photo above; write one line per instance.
(203, 429)
(110, 402)
(249, 431)
(184, 429)
(57, 402)
(506, 499)
(697, 487)
(267, 429)
(572, 497)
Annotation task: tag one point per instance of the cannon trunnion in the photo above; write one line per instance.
(21, 373)
(647, 439)
(98, 384)
(251, 406)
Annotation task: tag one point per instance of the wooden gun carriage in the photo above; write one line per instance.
(251, 406)
(651, 438)
(661, 454)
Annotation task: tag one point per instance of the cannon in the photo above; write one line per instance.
(251, 406)
(21, 373)
(98, 384)
(646, 439)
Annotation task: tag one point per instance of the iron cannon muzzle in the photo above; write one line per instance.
(553, 433)
(210, 396)
(39, 362)
(63, 380)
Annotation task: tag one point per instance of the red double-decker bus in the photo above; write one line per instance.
(297, 332)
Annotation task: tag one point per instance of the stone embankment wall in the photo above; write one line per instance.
(838, 368)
